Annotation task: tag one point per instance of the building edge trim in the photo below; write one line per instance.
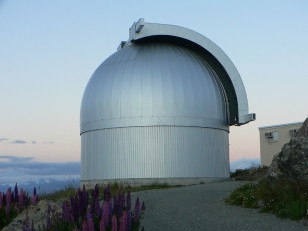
(138, 182)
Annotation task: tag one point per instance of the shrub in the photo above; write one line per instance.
(284, 198)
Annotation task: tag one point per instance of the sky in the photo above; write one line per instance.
(50, 49)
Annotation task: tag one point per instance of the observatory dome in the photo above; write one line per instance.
(153, 84)
(159, 109)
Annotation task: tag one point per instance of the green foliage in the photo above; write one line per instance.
(283, 198)
(4, 221)
(244, 196)
(60, 195)
(252, 174)
(69, 191)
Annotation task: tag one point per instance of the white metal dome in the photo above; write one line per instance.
(153, 84)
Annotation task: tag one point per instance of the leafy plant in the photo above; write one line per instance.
(284, 198)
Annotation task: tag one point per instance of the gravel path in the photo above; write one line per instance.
(202, 207)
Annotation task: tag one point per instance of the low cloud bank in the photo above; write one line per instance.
(29, 173)
(244, 163)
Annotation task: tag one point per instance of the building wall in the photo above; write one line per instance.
(154, 152)
(271, 146)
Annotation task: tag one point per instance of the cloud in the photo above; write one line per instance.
(28, 166)
(26, 171)
(244, 163)
(19, 142)
(3, 139)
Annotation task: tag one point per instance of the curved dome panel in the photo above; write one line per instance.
(153, 84)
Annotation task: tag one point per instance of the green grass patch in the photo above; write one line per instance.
(70, 190)
(284, 198)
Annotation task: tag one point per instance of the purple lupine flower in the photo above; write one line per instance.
(80, 202)
(71, 215)
(16, 193)
(16, 208)
(48, 217)
(12, 198)
(129, 201)
(91, 225)
(110, 209)
(4, 199)
(8, 202)
(123, 222)
(107, 193)
(119, 205)
(115, 207)
(21, 198)
(129, 220)
(123, 199)
(96, 190)
(84, 226)
(106, 213)
(137, 211)
(101, 225)
(88, 216)
(26, 200)
(65, 210)
(97, 208)
(85, 198)
(34, 200)
(1, 198)
(114, 223)
(142, 206)
(75, 208)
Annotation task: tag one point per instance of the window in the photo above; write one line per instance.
(292, 132)
(271, 136)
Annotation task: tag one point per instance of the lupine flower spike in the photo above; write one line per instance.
(34, 197)
(142, 206)
(1, 198)
(129, 201)
(137, 210)
(114, 223)
(8, 202)
(84, 226)
(101, 225)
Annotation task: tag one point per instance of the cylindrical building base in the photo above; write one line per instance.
(156, 152)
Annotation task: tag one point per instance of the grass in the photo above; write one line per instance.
(70, 190)
(252, 174)
(282, 197)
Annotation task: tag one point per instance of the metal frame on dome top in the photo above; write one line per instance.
(219, 62)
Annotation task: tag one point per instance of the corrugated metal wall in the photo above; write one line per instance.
(154, 152)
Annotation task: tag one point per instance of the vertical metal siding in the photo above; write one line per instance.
(154, 152)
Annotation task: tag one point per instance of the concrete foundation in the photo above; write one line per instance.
(150, 181)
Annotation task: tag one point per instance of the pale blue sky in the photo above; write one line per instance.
(49, 50)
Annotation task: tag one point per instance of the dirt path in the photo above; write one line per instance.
(202, 207)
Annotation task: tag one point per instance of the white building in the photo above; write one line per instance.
(272, 138)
